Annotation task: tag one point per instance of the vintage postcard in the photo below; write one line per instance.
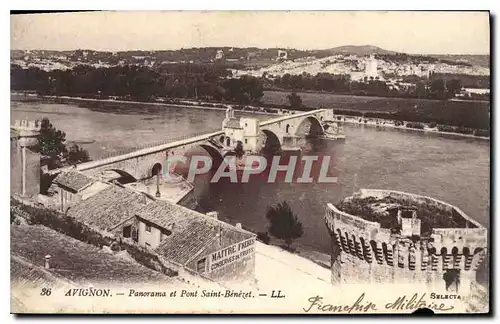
(229, 162)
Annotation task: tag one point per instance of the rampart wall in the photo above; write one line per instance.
(363, 252)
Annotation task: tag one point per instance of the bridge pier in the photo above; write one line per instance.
(332, 137)
(291, 143)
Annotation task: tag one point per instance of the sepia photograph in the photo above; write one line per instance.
(250, 162)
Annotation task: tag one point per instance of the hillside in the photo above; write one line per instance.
(76, 261)
(359, 50)
(243, 58)
(480, 60)
(358, 66)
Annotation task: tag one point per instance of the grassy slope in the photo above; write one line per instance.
(75, 260)
(327, 100)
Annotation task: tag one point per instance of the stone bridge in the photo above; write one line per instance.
(251, 133)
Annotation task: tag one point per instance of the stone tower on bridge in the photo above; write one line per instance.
(24, 162)
(244, 130)
(390, 237)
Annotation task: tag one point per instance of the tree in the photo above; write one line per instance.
(238, 150)
(295, 100)
(77, 155)
(51, 143)
(283, 223)
(420, 91)
(261, 236)
(454, 86)
(438, 88)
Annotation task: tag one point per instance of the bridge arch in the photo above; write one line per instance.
(156, 169)
(212, 149)
(271, 143)
(309, 125)
(214, 153)
(124, 178)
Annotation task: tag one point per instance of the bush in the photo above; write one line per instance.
(239, 149)
(482, 132)
(263, 237)
(295, 100)
(464, 130)
(432, 125)
(445, 128)
(414, 125)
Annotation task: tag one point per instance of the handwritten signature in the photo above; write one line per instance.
(361, 305)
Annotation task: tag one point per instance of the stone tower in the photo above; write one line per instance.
(371, 68)
(364, 251)
(24, 162)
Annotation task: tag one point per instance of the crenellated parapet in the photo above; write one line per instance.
(395, 255)
(27, 126)
(26, 131)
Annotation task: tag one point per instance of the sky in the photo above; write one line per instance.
(407, 32)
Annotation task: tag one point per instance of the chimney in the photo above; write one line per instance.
(47, 261)
(238, 225)
(213, 214)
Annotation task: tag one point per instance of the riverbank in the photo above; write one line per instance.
(347, 119)
(181, 103)
(387, 123)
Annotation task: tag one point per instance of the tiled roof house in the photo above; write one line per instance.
(73, 181)
(109, 208)
(188, 238)
(183, 237)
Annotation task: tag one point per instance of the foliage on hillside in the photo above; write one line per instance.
(437, 87)
(140, 83)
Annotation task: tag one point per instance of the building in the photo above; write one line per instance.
(184, 239)
(73, 186)
(371, 67)
(475, 91)
(24, 161)
(112, 209)
(244, 130)
(392, 237)
(282, 55)
(197, 242)
(219, 55)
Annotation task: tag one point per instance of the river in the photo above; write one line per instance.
(452, 169)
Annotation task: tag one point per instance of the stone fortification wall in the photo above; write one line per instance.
(363, 252)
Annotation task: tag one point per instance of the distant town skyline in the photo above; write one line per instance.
(406, 32)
